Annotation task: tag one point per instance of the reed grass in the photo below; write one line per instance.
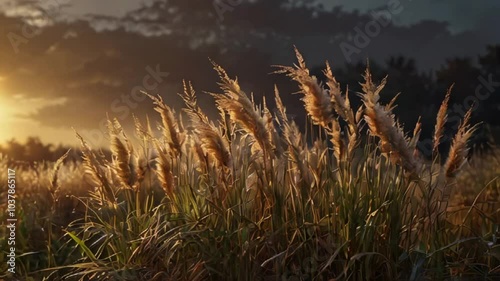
(248, 198)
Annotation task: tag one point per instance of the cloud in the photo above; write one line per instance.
(100, 7)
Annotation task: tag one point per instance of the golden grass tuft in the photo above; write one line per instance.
(164, 171)
(122, 154)
(343, 108)
(208, 134)
(170, 129)
(317, 100)
(104, 191)
(382, 124)
(55, 187)
(457, 155)
(441, 119)
(241, 110)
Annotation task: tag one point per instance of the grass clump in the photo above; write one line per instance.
(249, 197)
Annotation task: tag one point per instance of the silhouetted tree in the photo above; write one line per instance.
(490, 92)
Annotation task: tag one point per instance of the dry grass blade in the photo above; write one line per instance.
(382, 124)
(54, 185)
(317, 101)
(164, 171)
(441, 119)
(271, 129)
(170, 130)
(459, 150)
(213, 144)
(122, 154)
(192, 108)
(291, 133)
(392, 104)
(416, 136)
(293, 138)
(93, 168)
(282, 117)
(144, 133)
(209, 136)
(341, 105)
(343, 108)
(241, 109)
(338, 142)
(197, 150)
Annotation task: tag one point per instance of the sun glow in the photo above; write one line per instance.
(7, 114)
(5, 118)
(16, 122)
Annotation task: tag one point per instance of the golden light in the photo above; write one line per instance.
(5, 123)
(5, 114)
(15, 122)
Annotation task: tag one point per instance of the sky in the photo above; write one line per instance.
(33, 103)
(461, 14)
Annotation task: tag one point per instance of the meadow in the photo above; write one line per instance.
(252, 197)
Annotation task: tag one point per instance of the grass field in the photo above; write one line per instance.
(250, 197)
